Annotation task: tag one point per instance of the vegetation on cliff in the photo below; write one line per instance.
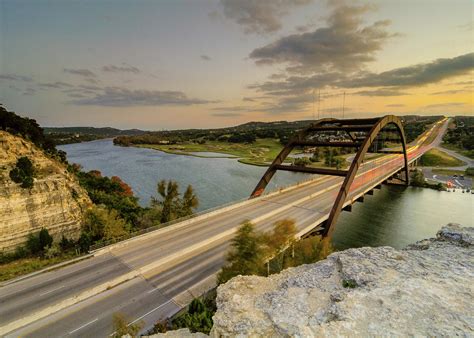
(30, 130)
(23, 172)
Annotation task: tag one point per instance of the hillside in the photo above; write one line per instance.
(65, 135)
(55, 201)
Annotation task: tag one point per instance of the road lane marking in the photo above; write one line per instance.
(83, 326)
(45, 293)
(146, 314)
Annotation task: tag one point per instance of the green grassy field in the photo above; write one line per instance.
(261, 152)
(438, 158)
(467, 153)
(449, 172)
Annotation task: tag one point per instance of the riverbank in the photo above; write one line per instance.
(260, 153)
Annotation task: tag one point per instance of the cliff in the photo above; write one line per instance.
(424, 290)
(55, 202)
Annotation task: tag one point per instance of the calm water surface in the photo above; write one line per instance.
(394, 216)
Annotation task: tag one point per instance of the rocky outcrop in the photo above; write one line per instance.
(55, 202)
(425, 290)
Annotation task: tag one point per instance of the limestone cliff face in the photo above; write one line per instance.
(425, 290)
(55, 202)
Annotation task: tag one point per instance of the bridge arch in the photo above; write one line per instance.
(360, 134)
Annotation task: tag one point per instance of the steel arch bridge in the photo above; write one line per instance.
(365, 135)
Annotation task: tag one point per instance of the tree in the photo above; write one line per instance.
(45, 238)
(189, 202)
(417, 178)
(170, 199)
(198, 318)
(246, 255)
(171, 205)
(23, 172)
(84, 242)
(101, 223)
(122, 328)
(280, 239)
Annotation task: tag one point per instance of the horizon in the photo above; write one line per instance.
(215, 64)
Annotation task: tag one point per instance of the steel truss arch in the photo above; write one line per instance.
(371, 127)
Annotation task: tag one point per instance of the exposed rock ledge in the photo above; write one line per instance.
(425, 290)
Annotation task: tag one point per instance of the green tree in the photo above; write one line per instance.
(417, 178)
(171, 205)
(45, 238)
(101, 223)
(123, 328)
(198, 318)
(84, 242)
(246, 255)
(189, 202)
(170, 199)
(23, 172)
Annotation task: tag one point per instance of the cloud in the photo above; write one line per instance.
(234, 108)
(206, 57)
(57, 85)
(13, 77)
(447, 105)
(29, 91)
(124, 68)
(122, 97)
(380, 92)
(451, 92)
(395, 105)
(226, 114)
(259, 16)
(81, 72)
(344, 45)
(416, 75)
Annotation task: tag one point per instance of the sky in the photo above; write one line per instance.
(170, 64)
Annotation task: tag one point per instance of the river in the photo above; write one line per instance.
(394, 216)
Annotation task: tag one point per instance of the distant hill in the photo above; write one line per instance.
(65, 135)
(105, 131)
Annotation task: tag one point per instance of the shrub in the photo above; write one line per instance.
(45, 238)
(122, 328)
(52, 251)
(23, 172)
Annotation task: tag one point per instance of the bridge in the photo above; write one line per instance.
(154, 275)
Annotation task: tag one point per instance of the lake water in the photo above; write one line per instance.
(217, 181)
(394, 216)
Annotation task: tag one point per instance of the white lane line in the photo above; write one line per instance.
(151, 291)
(83, 326)
(146, 314)
(45, 293)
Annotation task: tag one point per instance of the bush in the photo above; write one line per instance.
(52, 251)
(45, 238)
(23, 172)
(101, 223)
(122, 328)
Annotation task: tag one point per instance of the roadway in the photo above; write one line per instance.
(168, 267)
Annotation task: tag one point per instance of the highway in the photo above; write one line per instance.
(151, 277)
